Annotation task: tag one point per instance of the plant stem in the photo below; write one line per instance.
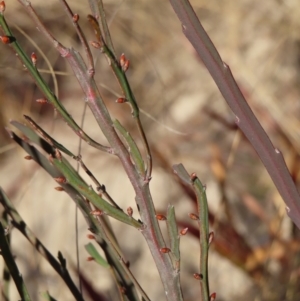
(20, 224)
(12, 266)
(271, 157)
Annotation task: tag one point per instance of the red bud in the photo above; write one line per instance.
(198, 276)
(129, 211)
(42, 100)
(59, 188)
(160, 217)
(96, 212)
(75, 18)
(165, 250)
(33, 58)
(60, 180)
(184, 231)
(5, 39)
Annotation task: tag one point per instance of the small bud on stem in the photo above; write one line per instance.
(33, 58)
(2, 7)
(160, 217)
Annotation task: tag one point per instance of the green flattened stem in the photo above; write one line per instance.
(173, 236)
(90, 248)
(199, 190)
(133, 149)
(12, 267)
(75, 181)
(204, 233)
(42, 85)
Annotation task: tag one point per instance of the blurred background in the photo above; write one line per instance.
(255, 254)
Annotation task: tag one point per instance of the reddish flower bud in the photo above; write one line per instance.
(75, 18)
(5, 39)
(60, 180)
(126, 65)
(90, 258)
(160, 217)
(42, 100)
(129, 211)
(59, 188)
(193, 216)
(165, 250)
(122, 60)
(121, 100)
(33, 58)
(193, 176)
(212, 297)
(28, 157)
(183, 231)
(90, 236)
(198, 276)
(96, 212)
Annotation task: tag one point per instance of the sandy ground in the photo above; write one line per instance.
(260, 42)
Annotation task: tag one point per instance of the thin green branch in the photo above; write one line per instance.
(173, 236)
(202, 219)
